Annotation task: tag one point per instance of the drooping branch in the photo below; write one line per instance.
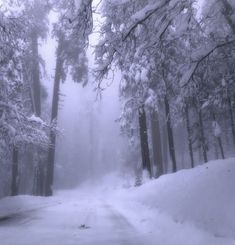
(195, 64)
(161, 7)
(142, 15)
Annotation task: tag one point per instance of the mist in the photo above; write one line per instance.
(117, 122)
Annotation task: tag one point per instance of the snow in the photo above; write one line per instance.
(144, 74)
(151, 99)
(200, 201)
(120, 2)
(9, 206)
(77, 4)
(197, 204)
(149, 8)
(205, 104)
(191, 207)
(188, 74)
(34, 118)
(216, 129)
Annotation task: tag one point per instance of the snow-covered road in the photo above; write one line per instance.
(190, 207)
(88, 222)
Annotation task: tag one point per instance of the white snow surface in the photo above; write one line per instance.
(191, 207)
(36, 119)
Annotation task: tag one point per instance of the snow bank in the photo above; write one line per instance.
(198, 203)
(10, 206)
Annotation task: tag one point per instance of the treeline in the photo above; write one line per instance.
(27, 120)
(177, 64)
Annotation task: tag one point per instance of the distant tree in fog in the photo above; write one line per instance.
(74, 25)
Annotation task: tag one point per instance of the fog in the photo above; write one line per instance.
(89, 144)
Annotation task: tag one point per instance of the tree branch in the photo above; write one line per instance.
(188, 76)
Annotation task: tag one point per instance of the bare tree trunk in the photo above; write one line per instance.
(144, 141)
(36, 89)
(54, 114)
(218, 138)
(216, 150)
(221, 147)
(165, 146)
(190, 144)
(36, 75)
(202, 138)
(156, 143)
(170, 136)
(38, 181)
(14, 178)
(228, 13)
(231, 118)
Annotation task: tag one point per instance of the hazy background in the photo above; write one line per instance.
(90, 144)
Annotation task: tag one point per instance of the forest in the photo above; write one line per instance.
(109, 107)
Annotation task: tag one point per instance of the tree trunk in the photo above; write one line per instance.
(231, 118)
(202, 138)
(221, 147)
(218, 138)
(36, 75)
(14, 178)
(54, 114)
(190, 144)
(156, 143)
(144, 141)
(170, 136)
(39, 177)
(165, 146)
(36, 89)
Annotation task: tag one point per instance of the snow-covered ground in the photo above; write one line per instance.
(194, 206)
(191, 207)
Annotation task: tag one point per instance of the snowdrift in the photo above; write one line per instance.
(198, 203)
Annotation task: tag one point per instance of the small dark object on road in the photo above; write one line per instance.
(83, 226)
